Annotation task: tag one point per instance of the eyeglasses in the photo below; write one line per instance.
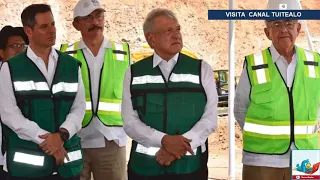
(17, 46)
(89, 18)
(287, 24)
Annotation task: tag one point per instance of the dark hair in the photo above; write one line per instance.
(28, 15)
(8, 31)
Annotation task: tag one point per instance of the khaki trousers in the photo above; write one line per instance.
(265, 173)
(108, 163)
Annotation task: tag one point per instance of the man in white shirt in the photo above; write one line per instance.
(13, 41)
(42, 105)
(169, 106)
(277, 101)
(103, 67)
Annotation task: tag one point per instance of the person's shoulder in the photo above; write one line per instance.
(64, 56)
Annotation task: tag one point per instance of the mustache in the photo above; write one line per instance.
(94, 28)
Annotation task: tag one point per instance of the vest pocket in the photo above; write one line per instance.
(181, 116)
(312, 88)
(138, 102)
(154, 103)
(261, 93)
(117, 90)
(261, 105)
(42, 110)
(29, 163)
(75, 165)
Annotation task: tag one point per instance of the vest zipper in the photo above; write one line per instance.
(291, 108)
(291, 116)
(56, 123)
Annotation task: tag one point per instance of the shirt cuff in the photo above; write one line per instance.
(195, 143)
(156, 138)
(69, 126)
(40, 132)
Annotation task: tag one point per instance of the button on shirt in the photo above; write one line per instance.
(11, 114)
(242, 102)
(150, 137)
(93, 136)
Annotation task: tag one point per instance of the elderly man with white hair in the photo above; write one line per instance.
(277, 101)
(169, 106)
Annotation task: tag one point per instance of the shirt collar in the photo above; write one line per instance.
(157, 59)
(34, 57)
(275, 54)
(105, 44)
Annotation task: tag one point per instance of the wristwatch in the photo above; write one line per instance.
(64, 135)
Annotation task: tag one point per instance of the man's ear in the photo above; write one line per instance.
(28, 31)
(150, 39)
(75, 25)
(266, 31)
(299, 28)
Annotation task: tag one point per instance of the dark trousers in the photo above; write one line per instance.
(53, 177)
(201, 174)
(3, 174)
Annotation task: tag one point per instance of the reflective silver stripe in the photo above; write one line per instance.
(28, 159)
(30, 85)
(66, 87)
(185, 78)
(261, 73)
(120, 57)
(147, 79)
(278, 130)
(109, 106)
(305, 129)
(310, 57)
(88, 105)
(151, 151)
(148, 151)
(73, 156)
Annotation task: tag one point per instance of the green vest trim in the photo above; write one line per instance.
(173, 107)
(277, 115)
(116, 61)
(48, 107)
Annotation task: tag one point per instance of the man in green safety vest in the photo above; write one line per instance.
(169, 106)
(277, 100)
(103, 67)
(13, 41)
(42, 104)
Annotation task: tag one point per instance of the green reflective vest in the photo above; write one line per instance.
(277, 115)
(172, 107)
(116, 61)
(47, 106)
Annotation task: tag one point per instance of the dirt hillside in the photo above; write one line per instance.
(208, 39)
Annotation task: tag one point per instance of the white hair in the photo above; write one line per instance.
(148, 23)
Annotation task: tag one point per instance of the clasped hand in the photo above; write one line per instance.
(53, 145)
(173, 147)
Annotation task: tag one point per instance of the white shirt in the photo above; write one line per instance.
(151, 137)
(1, 156)
(11, 114)
(93, 136)
(241, 104)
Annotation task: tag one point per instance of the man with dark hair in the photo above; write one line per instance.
(13, 41)
(42, 105)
